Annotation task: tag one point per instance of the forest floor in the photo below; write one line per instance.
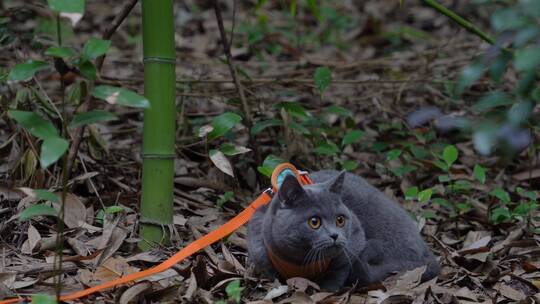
(387, 61)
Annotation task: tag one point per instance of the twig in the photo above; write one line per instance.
(460, 20)
(109, 31)
(236, 80)
(232, 68)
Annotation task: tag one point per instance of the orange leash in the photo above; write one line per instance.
(212, 237)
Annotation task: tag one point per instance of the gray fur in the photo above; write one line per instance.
(378, 237)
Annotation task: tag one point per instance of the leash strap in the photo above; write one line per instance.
(212, 237)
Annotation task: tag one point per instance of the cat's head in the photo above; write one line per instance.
(311, 218)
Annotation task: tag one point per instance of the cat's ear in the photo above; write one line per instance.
(290, 190)
(336, 184)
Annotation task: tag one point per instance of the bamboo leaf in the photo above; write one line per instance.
(41, 194)
(51, 150)
(25, 71)
(37, 210)
(34, 124)
(121, 96)
(85, 118)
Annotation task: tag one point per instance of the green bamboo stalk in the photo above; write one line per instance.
(460, 20)
(159, 122)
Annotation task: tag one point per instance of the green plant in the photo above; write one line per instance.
(40, 116)
(234, 291)
(505, 116)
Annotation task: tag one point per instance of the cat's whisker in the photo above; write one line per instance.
(308, 257)
(347, 256)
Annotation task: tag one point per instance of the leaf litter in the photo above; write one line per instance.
(481, 262)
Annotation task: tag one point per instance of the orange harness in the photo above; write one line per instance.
(287, 269)
(212, 237)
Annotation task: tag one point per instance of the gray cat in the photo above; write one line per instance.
(337, 231)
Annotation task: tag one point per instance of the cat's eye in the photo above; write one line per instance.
(314, 222)
(340, 221)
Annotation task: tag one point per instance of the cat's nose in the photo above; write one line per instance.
(334, 236)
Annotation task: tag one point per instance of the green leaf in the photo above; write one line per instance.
(116, 95)
(450, 155)
(293, 108)
(34, 124)
(469, 75)
(269, 163)
(492, 100)
(261, 125)
(527, 59)
(499, 65)
(323, 78)
(349, 165)
(234, 291)
(94, 48)
(326, 148)
(352, 137)
(227, 196)
(502, 195)
(425, 195)
(67, 6)
(25, 71)
(411, 193)
(525, 209)
(113, 209)
(46, 195)
(88, 69)
(519, 112)
(299, 128)
(393, 154)
(338, 110)
(40, 194)
(479, 173)
(51, 150)
(444, 178)
(223, 123)
(400, 171)
(442, 202)
(464, 207)
(43, 299)
(37, 210)
(60, 52)
(91, 117)
(232, 150)
(500, 214)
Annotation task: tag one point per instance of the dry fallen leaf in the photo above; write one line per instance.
(33, 240)
(135, 292)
